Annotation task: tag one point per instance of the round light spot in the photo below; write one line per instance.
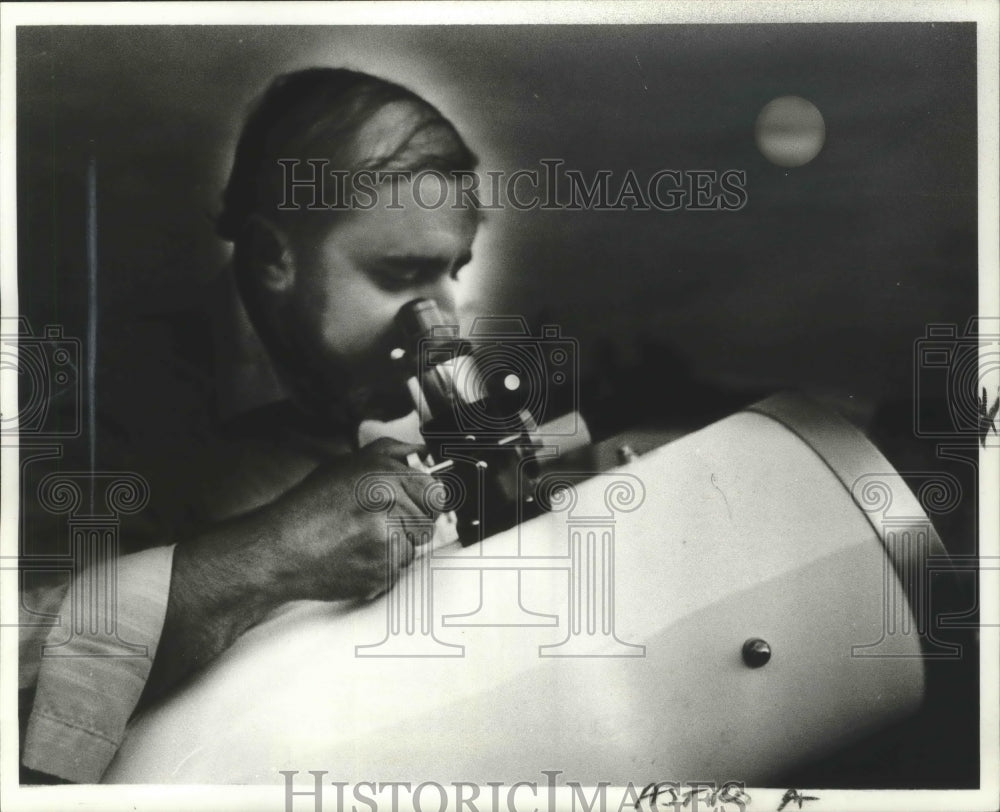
(790, 131)
(512, 383)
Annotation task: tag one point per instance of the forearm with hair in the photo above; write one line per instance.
(223, 582)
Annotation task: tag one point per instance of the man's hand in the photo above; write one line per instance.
(328, 547)
(316, 541)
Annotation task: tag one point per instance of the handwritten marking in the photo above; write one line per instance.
(793, 796)
(986, 417)
(732, 792)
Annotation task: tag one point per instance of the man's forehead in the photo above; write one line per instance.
(394, 206)
(414, 228)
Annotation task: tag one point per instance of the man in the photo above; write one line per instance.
(253, 497)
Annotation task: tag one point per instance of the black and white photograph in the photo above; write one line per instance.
(490, 406)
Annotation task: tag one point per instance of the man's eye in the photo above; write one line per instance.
(405, 274)
(398, 276)
(395, 275)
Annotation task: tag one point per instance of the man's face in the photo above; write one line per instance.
(351, 279)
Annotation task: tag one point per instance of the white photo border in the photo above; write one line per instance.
(12, 15)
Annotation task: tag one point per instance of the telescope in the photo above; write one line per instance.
(744, 600)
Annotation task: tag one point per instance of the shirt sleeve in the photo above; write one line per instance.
(93, 665)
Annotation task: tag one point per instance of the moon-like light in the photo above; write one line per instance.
(790, 131)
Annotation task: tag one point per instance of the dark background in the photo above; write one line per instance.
(823, 282)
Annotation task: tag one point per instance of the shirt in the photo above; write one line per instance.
(193, 404)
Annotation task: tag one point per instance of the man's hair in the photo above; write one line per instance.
(316, 113)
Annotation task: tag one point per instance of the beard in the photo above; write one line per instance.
(368, 386)
(368, 401)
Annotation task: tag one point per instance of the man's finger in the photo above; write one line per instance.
(417, 527)
(400, 551)
(396, 449)
(418, 488)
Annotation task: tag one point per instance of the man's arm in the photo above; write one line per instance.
(188, 603)
(313, 543)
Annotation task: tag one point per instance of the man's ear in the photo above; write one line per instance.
(268, 255)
